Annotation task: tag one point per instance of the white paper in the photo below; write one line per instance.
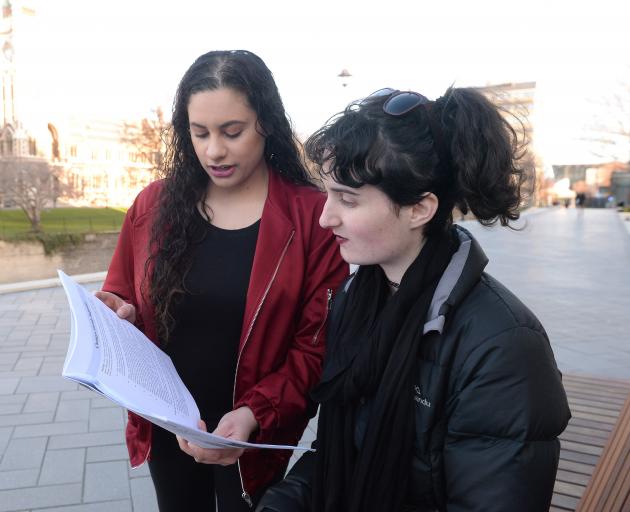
(111, 356)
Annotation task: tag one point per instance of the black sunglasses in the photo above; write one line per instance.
(399, 102)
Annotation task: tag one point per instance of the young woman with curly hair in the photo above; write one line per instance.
(440, 391)
(224, 265)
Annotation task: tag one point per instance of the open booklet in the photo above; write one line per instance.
(112, 357)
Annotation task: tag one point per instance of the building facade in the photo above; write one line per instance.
(88, 155)
(517, 104)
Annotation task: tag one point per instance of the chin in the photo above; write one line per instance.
(353, 259)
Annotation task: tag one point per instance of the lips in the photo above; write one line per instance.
(340, 240)
(221, 171)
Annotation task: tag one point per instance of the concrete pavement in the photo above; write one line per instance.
(62, 448)
(572, 268)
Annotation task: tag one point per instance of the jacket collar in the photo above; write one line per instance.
(274, 234)
(461, 274)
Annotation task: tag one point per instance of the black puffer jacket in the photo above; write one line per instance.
(489, 402)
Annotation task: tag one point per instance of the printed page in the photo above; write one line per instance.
(113, 357)
(124, 364)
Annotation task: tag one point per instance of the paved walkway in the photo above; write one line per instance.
(61, 447)
(572, 268)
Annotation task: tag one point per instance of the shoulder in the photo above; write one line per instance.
(146, 201)
(502, 365)
(292, 194)
(300, 206)
(493, 331)
(491, 309)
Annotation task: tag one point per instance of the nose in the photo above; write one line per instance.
(215, 150)
(328, 219)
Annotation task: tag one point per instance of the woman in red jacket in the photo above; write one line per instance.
(223, 263)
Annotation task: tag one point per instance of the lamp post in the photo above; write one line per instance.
(344, 76)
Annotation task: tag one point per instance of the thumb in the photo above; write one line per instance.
(123, 310)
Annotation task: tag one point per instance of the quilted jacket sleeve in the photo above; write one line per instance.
(293, 493)
(507, 409)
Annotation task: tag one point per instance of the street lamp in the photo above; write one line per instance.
(344, 76)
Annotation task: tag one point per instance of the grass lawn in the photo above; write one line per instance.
(14, 224)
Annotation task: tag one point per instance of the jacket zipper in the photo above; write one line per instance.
(328, 301)
(245, 495)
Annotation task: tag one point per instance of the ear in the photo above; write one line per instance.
(423, 211)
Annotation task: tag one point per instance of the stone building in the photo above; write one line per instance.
(97, 169)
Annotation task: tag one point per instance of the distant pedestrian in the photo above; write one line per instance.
(440, 391)
(580, 200)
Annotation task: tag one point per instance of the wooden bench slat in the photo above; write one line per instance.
(568, 489)
(563, 501)
(596, 381)
(581, 448)
(583, 439)
(579, 457)
(599, 411)
(603, 394)
(593, 424)
(574, 478)
(586, 431)
(576, 467)
(594, 417)
(609, 487)
(610, 406)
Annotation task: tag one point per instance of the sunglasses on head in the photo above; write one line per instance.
(399, 102)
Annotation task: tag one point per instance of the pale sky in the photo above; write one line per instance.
(122, 58)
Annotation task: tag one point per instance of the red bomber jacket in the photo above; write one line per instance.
(296, 268)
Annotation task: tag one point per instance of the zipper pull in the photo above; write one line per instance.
(329, 303)
(247, 499)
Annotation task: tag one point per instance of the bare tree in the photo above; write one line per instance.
(609, 129)
(31, 184)
(148, 138)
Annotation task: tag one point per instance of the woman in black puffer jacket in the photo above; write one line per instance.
(440, 390)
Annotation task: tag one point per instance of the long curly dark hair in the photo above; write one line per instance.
(186, 182)
(481, 166)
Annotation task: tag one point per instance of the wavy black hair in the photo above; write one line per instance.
(479, 168)
(186, 181)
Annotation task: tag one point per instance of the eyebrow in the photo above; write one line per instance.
(222, 126)
(344, 191)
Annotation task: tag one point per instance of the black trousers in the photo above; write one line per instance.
(181, 484)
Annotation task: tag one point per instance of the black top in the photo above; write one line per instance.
(209, 317)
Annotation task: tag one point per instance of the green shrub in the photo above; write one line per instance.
(55, 242)
(51, 242)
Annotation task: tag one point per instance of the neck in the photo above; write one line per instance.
(251, 190)
(395, 270)
(235, 209)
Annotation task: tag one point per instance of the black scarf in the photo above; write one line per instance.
(376, 344)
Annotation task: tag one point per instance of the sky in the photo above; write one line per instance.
(120, 59)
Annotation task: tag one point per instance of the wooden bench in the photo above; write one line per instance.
(609, 487)
(594, 469)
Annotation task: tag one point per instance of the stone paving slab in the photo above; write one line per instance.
(106, 481)
(39, 497)
(62, 446)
